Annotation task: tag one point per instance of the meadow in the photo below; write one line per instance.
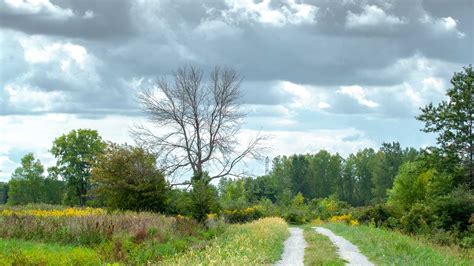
(55, 235)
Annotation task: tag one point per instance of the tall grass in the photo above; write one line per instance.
(255, 243)
(94, 228)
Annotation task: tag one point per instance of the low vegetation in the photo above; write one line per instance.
(20, 252)
(127, 237)
(320, 250)
(255, 243)
(386, 247)
(128, 211)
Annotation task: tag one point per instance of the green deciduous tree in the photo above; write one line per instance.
(411, 185)
(453, 120)
(28, 184)
(76, 152)
(389, 159)
(127, 178)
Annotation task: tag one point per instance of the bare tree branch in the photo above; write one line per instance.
(196, 123)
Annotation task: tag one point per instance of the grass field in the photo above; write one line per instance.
(20, 252)
(87, 236)
(320, 250)
(256, 243)
(385, 247)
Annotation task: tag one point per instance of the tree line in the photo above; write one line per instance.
(204, 120)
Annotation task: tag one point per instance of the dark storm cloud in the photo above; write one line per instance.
(340, 43)
(86, 19)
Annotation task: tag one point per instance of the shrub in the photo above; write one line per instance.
(327, 207)
(379, 215)
(418, 219)
(297, 212)
(204, 200)
(346, 218)
(243, 215)
(454, 210)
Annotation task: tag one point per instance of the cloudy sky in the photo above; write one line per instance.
(335, 75)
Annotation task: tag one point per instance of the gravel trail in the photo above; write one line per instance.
(293, 254)
(347, 251)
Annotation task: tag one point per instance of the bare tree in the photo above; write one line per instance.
(198, 124)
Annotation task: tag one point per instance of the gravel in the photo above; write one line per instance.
(293, 253)
(347, 251)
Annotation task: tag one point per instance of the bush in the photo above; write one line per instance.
(454, 210)
(243, 215)
(379, 215)
(204, 200)
(297, 212)
(418, 219)
(327, 207)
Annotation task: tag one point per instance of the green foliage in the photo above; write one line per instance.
(453, 120)
(127, 178)
(380, 215)
(179, 201)
(204, 199)
(411, 185)
(3, 192)
(389, 159)
(28, 184)
(327, 207)
(386, 247)
(27, 181)
(19, 252)
(297, 212)
(320, 250)
(243, 215)
(257, 243)
(454, 210)
(76, 152)
(233, 194)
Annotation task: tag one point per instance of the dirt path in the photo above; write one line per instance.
(347, 251)
(293, 253)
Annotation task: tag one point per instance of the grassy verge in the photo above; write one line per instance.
(20, 252)
(258, 242)
(385, 247)
(320, 250)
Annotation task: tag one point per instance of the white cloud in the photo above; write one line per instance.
(7, 166)
(372, 15)
(38, 50)
(39, 7)
(262, 12)
(88, 14)
(433, 84)
(358, 93)
(442, 25)
(311, 141)
(323, 105)
(216, 29)
(305, 96)
(30, 99)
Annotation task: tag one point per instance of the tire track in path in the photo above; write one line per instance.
(293, 253)
(347, 251)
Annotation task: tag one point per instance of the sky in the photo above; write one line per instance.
(335, 75)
